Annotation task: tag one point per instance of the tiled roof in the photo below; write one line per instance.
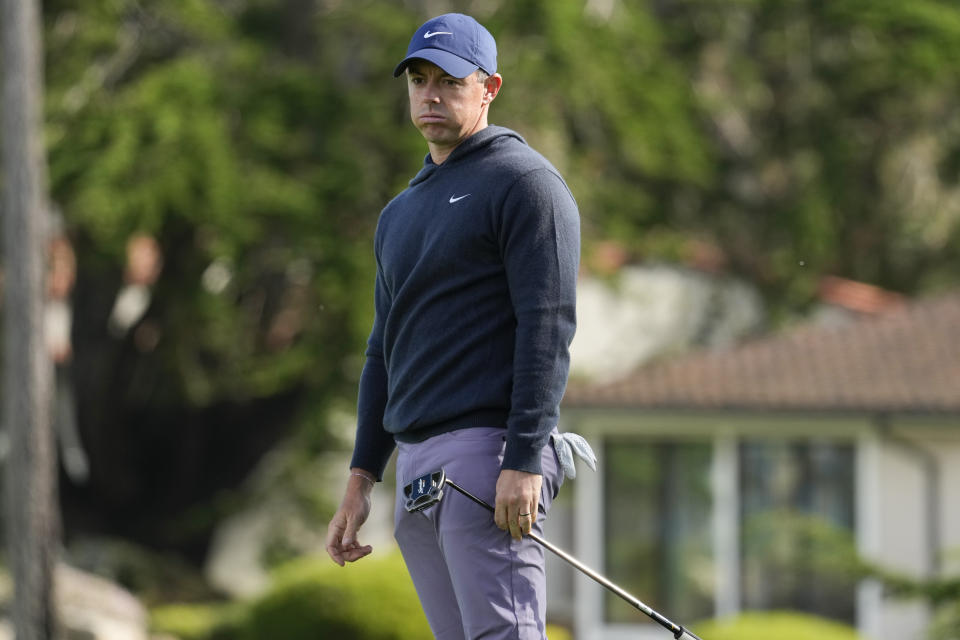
(904, 360)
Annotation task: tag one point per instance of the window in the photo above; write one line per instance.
(795, 520)
(796, 527)
(657, 512)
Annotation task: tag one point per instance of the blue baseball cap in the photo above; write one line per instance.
(456, 43)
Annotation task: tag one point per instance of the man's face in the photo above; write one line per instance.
(445, 109)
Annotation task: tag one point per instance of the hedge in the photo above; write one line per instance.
(782, 625)
(311, 599)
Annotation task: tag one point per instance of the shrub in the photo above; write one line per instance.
(782, 625)
(312, 598)
(373, 599)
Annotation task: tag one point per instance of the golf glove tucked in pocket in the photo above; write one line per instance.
(567, 444)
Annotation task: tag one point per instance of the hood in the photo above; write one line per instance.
(480, 140)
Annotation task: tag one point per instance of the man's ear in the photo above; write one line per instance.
(491, 87)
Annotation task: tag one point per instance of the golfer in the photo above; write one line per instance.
(468, 356)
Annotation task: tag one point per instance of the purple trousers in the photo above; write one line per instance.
(473, 579)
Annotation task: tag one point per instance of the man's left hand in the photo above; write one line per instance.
(518, 497)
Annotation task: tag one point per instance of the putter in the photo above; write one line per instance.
(427, 490)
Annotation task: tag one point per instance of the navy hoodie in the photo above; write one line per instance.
(475, 303)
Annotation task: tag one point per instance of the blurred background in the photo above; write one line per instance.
(767, 360)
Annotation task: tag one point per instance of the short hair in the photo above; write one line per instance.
(482, 76)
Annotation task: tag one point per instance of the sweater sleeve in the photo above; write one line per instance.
(540, 244)
(373, 445)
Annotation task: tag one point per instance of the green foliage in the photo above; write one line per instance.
(776, 536)
(198, 621)
(373, 599)
(310, 595)
(822, 119)
(607, 102)
(780, 625)
(258, 140)
(204, 128)
(268, 141)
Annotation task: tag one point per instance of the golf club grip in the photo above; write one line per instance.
(677, 630)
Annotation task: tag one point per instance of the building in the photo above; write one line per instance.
(749, 477)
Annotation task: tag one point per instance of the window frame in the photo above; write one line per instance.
(724, 431)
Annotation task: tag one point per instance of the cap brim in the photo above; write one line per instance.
(452, 64)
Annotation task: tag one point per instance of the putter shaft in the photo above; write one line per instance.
(677, 630)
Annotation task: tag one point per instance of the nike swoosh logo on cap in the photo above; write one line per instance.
(430, 34)
(452, 199)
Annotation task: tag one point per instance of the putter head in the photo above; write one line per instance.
(424, 491)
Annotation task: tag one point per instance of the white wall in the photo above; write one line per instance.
(901, 539)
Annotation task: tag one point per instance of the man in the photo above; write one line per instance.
(468, 357)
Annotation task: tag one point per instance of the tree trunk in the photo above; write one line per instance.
(32, 523)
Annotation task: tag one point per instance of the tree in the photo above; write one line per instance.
(256, 142)
(831, 131)
(32, 521)
(259, 162)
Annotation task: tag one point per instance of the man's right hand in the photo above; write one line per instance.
(342, 544)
